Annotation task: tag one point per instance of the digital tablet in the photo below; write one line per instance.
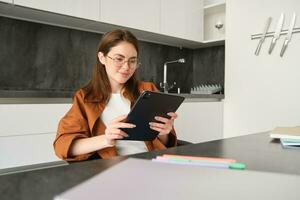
(148, 105)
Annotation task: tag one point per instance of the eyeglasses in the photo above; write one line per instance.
(118, 61)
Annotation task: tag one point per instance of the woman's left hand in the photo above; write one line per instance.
(164, 125)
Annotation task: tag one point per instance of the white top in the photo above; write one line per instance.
(117, 106)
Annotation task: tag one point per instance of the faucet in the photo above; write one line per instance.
(165, 84)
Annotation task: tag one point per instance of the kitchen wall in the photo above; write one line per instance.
(40, 60)
(262, 92)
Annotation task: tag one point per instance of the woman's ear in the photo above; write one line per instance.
(101, 58)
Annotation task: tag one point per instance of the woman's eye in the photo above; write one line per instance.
(133, 61)
(118, 58)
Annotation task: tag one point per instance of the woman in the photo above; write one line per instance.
(92, 127)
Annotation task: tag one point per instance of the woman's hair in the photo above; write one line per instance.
(99, 86)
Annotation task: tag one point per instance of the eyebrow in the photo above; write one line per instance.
(124, 56)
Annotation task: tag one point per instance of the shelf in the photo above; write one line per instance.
(214, 5)
(212, 43)
(214, 8)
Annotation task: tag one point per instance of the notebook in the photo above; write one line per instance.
(137, 179)
(286, 132)
(290, 143)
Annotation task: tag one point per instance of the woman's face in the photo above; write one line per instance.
(120, 63)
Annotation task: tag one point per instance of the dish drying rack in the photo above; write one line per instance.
(206, 89)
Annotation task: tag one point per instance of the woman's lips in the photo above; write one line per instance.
(124, 74)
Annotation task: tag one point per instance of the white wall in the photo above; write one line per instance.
(261, 92)
(200, 121)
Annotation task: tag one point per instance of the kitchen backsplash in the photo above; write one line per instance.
(209, 66)
(38, 60)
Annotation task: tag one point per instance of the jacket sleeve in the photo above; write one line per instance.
(172, 141)
(72, 126)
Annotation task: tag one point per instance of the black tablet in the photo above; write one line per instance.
(148, 105)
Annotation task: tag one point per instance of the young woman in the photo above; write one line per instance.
(92, 127)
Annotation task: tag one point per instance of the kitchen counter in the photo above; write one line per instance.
(188, 98)
(201, 97)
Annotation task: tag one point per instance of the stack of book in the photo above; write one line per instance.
(289, 136)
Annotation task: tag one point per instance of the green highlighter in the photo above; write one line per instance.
(237, 166)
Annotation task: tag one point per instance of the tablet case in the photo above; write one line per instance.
(148, 105)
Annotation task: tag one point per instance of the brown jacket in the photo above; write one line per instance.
(83, 121)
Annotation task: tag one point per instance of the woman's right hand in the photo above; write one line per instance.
(113, 131)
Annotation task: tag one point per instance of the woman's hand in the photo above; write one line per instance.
(113, 131)
(164, 125)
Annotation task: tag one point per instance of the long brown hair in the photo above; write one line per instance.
(99, 86)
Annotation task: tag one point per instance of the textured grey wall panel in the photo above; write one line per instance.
(38, 60)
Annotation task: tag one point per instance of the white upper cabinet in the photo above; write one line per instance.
(212, 2)
(137, 14)
(214, 20)
(182, 19)
(170, 22)
(7, 1)
(76, 8)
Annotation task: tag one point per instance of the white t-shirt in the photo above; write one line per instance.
(118, 105)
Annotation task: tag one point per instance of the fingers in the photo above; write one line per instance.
(115, 126)
(163, 129)
(160, 130)
(158, 125)
(122, 125)
(166, 124)
(119, 119)
(161, 119)
(172, 115)
(165, 120)
(115, 133)
(118, 123)
(113, 130)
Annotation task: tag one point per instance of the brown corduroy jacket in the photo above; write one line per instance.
(83, 121)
